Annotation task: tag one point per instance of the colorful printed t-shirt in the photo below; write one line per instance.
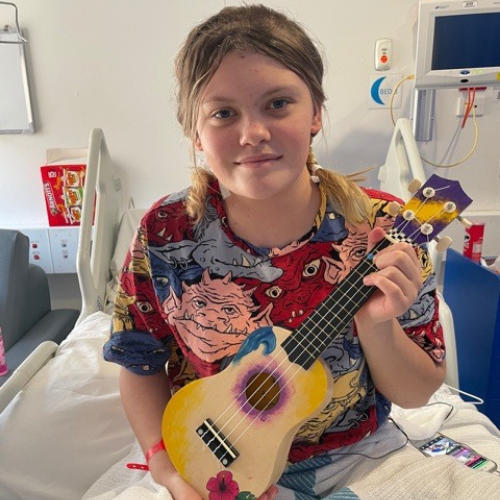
(191, 295)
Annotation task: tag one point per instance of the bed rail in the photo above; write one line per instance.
(25, 372)
(103, 195)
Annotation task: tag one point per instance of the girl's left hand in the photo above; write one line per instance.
(398, 279)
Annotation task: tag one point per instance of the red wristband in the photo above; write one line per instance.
(160, 446)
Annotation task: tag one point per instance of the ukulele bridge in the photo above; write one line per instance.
(217, 443)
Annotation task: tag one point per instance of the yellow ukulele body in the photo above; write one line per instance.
(232, 431)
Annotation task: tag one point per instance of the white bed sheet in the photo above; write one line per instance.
(404, 474)
(65, 435)
(67, 426)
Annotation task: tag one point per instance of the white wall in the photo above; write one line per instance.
(109, 64)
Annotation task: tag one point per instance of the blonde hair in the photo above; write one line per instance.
(273, 34)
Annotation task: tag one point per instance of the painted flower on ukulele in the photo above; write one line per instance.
(222, 487)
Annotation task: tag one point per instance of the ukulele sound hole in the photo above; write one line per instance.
(262, 391)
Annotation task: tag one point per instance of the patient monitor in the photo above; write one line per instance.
(458, 44)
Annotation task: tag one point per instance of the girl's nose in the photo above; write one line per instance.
(253, 132)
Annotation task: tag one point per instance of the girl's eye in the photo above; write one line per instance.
(223, 113)
(279, 103)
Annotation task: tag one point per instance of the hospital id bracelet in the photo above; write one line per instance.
(149, 454)
(160, 446)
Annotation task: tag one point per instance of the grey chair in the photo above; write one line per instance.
(26, 316)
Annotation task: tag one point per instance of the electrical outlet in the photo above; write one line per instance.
(479, 102)
(39, 253)
(64, 246)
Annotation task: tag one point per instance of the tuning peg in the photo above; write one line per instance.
(414, 186)
(394, 208)
(443, 243)
(464, 221)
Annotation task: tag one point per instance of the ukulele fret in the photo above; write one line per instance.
(217, 443)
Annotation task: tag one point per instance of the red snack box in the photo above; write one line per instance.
(63, 191)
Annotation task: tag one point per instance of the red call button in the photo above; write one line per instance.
(383, 59)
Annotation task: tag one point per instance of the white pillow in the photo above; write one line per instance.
(67, 427)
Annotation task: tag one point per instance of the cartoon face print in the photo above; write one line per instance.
(138, 262)
(349, 253)
(121, 320)
(138, 297)
(380, 214)
(165, 277)
(302, 279)
(213, 317)
(347, 392)
(157, 223)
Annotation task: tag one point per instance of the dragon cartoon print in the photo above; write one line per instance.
(214, 317)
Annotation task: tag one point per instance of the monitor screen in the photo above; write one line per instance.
(466, 41)
(458, 44)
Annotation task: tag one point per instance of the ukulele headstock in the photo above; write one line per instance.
(433, 206)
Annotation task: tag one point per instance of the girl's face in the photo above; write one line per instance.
(255, 124)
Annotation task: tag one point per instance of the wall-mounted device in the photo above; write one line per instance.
(458, 44)
(383, 54)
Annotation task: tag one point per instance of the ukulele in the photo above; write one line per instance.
(231, 432)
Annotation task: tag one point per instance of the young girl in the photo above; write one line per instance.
(261, 237)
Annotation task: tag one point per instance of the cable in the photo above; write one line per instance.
(468, 155)
(471, 97)
(479, 401)
(443, 403)
(408, 440)
(390, 452)
(469, 107)
(391, 103)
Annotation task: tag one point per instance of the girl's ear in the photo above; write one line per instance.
(197, 143)
(317, 121)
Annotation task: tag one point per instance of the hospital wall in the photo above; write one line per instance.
(109, 64)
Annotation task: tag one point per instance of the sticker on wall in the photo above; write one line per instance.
(381, 90)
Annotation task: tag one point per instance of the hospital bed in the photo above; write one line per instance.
(64, 435)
